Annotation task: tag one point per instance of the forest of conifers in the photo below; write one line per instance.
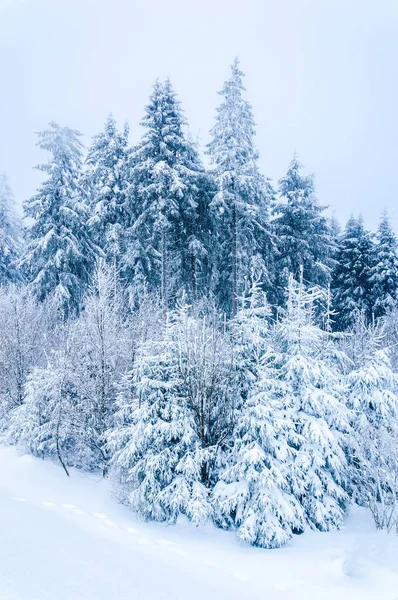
(208, 339)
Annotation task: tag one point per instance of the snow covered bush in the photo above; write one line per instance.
(43, 424)
(380, 448)
(28, 329)
(372, 397)
(101, 357)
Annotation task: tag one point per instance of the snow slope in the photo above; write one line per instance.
(68, 539)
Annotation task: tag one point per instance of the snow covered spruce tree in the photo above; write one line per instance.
(384, 272)
(166, 439)
(165, 206)
(351, 283)
(313, 400)
(240, 206)
(303, 235)
(372, 386)
(60, 256)
(254, 491)
(156, 457)
(105, 182)
(10, 234)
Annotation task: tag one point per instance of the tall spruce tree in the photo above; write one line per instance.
(106, 183)
(10, 234)
(59, 258)
(303, 234)
(384, 273)
(166, 249)
(240, 205)
(351, 284)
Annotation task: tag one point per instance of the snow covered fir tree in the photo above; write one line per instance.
(303, 235)
(352, 286)
(384, 275)
(210, 341)
(240, 206)
(166, 203)
(104, 187)
(60, 254)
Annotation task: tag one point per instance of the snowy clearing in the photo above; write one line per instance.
(69, 539)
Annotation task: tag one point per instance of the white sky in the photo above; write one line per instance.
(321, 76)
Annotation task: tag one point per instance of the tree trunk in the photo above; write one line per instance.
(164, 272)
(234, 257)
(57, 444)
(194, 279)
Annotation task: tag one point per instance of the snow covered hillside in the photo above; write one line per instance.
(69, 539)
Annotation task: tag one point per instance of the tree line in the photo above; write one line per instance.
(169, 225)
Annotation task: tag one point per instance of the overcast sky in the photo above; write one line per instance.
(321, 76)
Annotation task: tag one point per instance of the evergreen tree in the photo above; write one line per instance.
(303, 235)
(240, 206)
(59, 258)
(10, 234)
(335, 228)
(371, 393)
(157, 453)
(254, 492)
(313, 398)
(384, 273)
(106, 182)
(352, 285)
(167, 203)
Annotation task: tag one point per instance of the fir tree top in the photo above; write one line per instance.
(232, 147)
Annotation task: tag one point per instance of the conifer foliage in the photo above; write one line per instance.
(171, 327)
(159, 456)
(352, 286)
(303, 235)
(105, 183)
(168, 436)
(254, 492)
(384, 274)
(60, 254)
(313, 399)
(241, 205)
(166, 249)
(372, 397)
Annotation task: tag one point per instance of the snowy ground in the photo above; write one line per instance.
(68, 539)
